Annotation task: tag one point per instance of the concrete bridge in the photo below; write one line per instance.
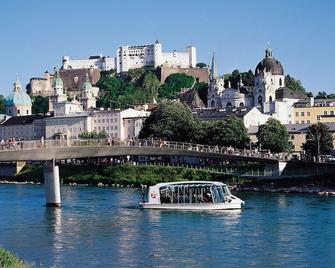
(51, 150)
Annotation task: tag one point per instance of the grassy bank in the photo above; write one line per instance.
(9, 260)
(125, 174)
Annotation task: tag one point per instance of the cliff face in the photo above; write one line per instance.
(200, 74)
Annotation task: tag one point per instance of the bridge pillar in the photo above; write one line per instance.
(275, 169)
(51, 184)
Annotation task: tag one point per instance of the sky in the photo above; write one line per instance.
(36, 34)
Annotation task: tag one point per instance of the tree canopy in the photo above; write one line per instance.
(228, 132)
(2, 104)
(274, 136)
(202, 89)
(40, 105)
(234, 78)
(318, 134)
(325, 95)
(201, 65)
(173, 85)
(294, 84)
(170, 121)
(93, 135)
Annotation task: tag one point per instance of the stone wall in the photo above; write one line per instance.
(200, 74)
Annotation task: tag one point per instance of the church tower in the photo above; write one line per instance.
(215, 86)
(269, 76)
(58, 94)
(87, 100)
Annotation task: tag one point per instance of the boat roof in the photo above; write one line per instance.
(188, 182)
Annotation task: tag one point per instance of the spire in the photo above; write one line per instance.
(213, 73)
(87, 79)
(268, 51)
(17, 83)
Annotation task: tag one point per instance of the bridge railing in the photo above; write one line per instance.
(154, 143)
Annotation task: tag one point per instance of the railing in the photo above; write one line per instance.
(151, 143)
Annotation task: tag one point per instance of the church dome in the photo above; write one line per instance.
(269, 64)
(18, 97)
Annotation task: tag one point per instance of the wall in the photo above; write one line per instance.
(312, 114)
(202, 74)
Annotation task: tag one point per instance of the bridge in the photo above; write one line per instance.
(51, 150)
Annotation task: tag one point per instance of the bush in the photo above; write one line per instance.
(9, 260)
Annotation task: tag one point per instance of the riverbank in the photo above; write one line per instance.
(9, 260)
(128, 175)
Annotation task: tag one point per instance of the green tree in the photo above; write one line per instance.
(40, 105)
(318, 139)
(274, 136)
(150, 83)
(201, 65)
(321, 95)
(93, 135)
(2, 104)
(173, 85)
(170, 121)
(294, 84)
(228, 132)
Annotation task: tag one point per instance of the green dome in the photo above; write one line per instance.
(18, 98)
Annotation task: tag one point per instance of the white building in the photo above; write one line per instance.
(119, 124)
(132, 57)
(68, 126)
(104, 63)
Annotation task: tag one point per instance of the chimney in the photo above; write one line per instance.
(311, 101)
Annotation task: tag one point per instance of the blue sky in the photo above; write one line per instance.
(36, 34)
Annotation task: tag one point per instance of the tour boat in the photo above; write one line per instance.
(191, 195)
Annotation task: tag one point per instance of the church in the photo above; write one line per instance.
(268, 94)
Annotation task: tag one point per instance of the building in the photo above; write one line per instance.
(138, 56)
(65, 108)
(251, 116)
(40, 86)
(28, 127)
(314, 110)
(103, 63)
(268, 93)
(58, 94)
(18, 102)
(119, 124)
(88, 96)
(68, 126)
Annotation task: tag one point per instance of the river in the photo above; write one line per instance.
(103, 227)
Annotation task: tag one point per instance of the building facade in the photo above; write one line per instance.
(138, 56)
(103, 63)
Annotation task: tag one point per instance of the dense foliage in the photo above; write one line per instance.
(201, 65)
(202, 89)
(273, 136)
(294, 84)
(173, 84)
(2, 104)
(9, 260)
(325, 95)
(173, 121)
(234, 78)
(40, 105)
(93, 135)
(228, 132)
(318, 135)
(170, 121)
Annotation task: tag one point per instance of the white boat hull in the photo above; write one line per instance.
(201, 206)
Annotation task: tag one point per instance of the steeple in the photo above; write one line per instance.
(213, 73)
(17, 84)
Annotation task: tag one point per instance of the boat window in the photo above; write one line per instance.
(165, 194)
(218, 194)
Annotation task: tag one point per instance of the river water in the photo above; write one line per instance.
(103, 227)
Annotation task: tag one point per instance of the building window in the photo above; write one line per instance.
(18, 111)
(280, 82)
(325, 112)
(99, 128)
(27, 111)
(302, 113)
(308, 113)
(308, 121)
(331, 112)
(318, 117)
(296, 113)
(292, 137)
(302, 122)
